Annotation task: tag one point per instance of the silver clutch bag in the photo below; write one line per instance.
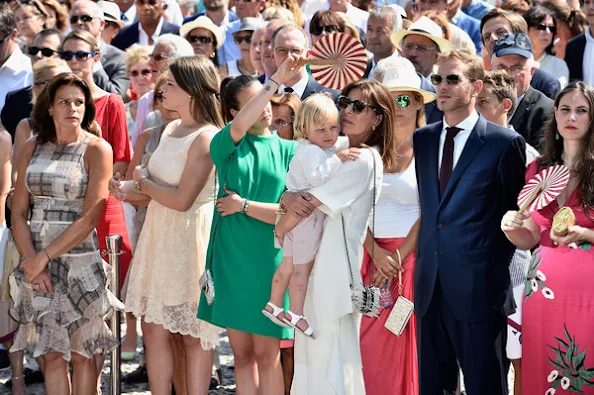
(401, 312)
(207, 286)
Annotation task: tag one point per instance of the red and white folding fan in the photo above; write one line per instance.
(540, 191)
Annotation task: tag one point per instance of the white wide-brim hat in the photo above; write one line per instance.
(203, 22)
(111, 12)
(404, 77)
(427, 28)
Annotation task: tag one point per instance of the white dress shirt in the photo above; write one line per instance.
(129, 17)
(298, 87)
(461, 138)
(143, 38)
(588, 61)
(15, 73)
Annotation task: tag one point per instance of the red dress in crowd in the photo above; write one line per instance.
(558, 309)
(111, 116)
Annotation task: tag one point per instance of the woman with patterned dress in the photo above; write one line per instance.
(558, 307)
(59, 291)
(163, 287)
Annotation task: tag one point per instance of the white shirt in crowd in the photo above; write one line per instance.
(298, 87)
(129, 17)
(143, 38)
(554, 66)
(173, 11)
(461, 138)
(588, 60)
(15, 73)
(313, 166)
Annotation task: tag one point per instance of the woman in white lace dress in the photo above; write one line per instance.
(170, 255)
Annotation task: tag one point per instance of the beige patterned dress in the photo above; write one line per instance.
(72, 319)
(170, 254)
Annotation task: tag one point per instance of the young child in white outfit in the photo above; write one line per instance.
(317, 159)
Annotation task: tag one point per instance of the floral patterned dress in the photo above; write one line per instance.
(558, 309)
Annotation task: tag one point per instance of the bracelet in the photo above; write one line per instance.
(282, 210)
(138, 187)
(277, 84)
(244, 206)
(49, 258)
(397, 252)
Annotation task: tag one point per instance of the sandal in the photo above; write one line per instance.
(295, 319)
(276, 311)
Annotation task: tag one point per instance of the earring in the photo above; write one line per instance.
(212, 55)
(557, 136)
(373, 128)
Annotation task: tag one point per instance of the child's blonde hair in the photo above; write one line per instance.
(312, 113)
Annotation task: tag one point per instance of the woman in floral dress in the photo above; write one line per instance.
(558, 309)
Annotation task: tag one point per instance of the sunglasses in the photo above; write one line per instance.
(41, 83)
(79, 55)
(543, 27)
(329, 29)
(159, 57)
(83, 18)
(45, 52)
(279, 124)
(357, 105)
(451, 79)
(200, 39)
(247, 39)
(159, 96)
(144, 72)
(403, 101)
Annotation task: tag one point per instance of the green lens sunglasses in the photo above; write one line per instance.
(403, 101)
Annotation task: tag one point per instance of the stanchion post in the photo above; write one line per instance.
(114, 245)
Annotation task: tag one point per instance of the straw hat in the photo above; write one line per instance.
(427, 28)
(111, 12)
(203, 22)
(405, 78)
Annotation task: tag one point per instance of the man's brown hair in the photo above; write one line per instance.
(516, 22)
(502, 85)
(474, 64)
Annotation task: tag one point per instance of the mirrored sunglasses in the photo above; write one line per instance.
(403, 101)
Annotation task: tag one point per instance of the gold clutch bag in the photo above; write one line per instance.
(401, 312)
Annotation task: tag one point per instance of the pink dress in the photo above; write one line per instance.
(389, 361)
(558, 309)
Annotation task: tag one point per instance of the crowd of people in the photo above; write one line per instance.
(365, 240)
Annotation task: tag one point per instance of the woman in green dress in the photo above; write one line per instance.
(251, 163)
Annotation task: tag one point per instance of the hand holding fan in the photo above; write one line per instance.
(337, 60)
(540, 191)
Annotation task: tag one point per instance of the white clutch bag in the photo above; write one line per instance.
(401, 312)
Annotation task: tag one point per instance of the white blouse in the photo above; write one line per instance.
(556, 67)
(398, 207)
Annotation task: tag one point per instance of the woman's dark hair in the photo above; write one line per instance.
(230, 88)
(41, 120)
(327, 18)
(584, 166)
(198, 77)
(215, 59)
(384, 135)
(536, 15)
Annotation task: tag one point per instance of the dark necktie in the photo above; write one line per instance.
(124, 17)
(447, 159)
(288, 90)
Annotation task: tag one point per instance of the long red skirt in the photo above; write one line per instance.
(113, 222)
(390, 361)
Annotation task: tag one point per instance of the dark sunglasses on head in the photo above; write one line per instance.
(403, 101)
(159, 57)
(45, 52)
(451, 79)
(240, 39)
(543, 27)
(144, 72)
(317, 30)
(83, 18)
(357, 105)
(79, 55)
(200, 39)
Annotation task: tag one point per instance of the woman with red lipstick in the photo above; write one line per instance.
(558, 307)
(252, 162)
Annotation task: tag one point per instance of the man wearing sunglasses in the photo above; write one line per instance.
(15, 67)
(469, 173)
(110, 73)
(513, 54)
(292, 40)
(18, 102)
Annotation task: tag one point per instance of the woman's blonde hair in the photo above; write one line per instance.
(36, 5)
(47, 64)
(82, 35)
(313, 112)
(137, 53)
(61, 11)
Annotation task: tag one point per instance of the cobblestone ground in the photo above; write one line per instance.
(227, 386)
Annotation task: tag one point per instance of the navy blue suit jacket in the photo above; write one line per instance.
(129, 35)
(473, 28)
(460, 242)
(314, 86)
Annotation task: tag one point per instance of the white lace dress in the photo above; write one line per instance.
(171, 251)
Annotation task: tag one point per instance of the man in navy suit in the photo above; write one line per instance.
(291, 38)
(469, 173)
(151, 24)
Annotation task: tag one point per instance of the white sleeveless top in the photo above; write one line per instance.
(398, 207)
